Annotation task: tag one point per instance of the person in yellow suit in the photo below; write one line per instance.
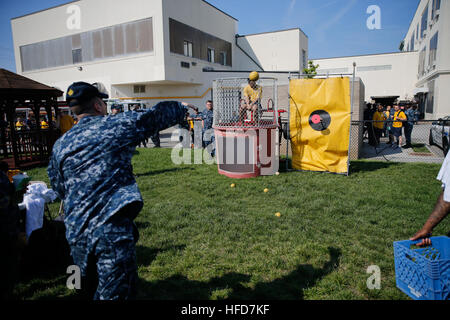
(252, 98)
(379, 118)
(398, 118)
(64, 123)
(44, 124)
(19, 124)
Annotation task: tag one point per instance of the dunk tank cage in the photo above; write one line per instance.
(247, 142)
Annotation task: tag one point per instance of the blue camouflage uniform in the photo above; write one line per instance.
(208, 117)
(91, 171)
(409, 125)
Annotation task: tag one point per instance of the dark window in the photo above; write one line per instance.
(187, 48)
(424, 22)
(433, 49)
(181, 35)
(139, 89)
(211, 55)
(436, 6)
(76, 56)
(223, 58)
(185, 64)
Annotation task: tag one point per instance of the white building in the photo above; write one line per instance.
(421, 70)
(429, 35)
(150, 50)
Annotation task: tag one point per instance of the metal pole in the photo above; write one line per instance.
(288, 138)
(351, 115)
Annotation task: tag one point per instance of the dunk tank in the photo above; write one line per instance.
(247, 143)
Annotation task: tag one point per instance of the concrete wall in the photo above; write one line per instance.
(357, 126)
(274, 51)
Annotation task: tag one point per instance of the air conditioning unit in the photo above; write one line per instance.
(424, 33)
(431, 23)
(436, 13)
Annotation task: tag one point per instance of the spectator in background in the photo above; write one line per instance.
(416, 113)
(64, 122)
(368, 116)
(398, 119)
(208, 118)
(44, 123)
(20, 124)
(115, 109)
(29, 122)
(409, 126)
(379, 119)
(389, 115)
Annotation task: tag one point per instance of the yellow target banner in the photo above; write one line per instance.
(320, 124)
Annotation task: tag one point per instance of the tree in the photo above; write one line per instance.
(311, 71)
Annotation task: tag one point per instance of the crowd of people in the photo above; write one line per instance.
(63, 122)
(392, 122)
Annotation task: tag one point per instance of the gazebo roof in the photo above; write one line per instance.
(13, 84)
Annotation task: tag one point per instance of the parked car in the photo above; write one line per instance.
(439, 133)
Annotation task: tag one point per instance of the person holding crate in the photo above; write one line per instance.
(441, 209)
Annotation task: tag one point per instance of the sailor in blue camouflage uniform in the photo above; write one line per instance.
(208, 118)
(90, 169)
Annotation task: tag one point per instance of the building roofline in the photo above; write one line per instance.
(365, 55)
(60, 5)
(267, 32)
(28, 14)
(220, 10)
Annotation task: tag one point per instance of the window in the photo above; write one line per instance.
(412, 43)
(424, 22)
(436, 6)
(304, 59)
(76, 56)
(188, 48)
(223, 58)
(417, 32)
(433, 50)
(211, 55)
(422, 61)
(139, 89)
(430, 97)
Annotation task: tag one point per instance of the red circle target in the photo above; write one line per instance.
(320, 120)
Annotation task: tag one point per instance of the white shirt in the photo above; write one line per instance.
(444, 177)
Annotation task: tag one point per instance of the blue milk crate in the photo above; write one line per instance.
(423, 273)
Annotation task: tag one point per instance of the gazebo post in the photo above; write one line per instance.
(37, 116)
(3, 130)
(10, 115)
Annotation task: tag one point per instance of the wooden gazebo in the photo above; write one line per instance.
(29, 146)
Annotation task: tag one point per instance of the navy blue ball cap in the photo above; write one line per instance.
(82, 91)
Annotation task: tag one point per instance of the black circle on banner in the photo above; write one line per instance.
(320, 120)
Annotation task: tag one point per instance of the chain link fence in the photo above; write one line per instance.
(423, 141)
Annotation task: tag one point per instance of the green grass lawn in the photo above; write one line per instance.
(201, 239)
